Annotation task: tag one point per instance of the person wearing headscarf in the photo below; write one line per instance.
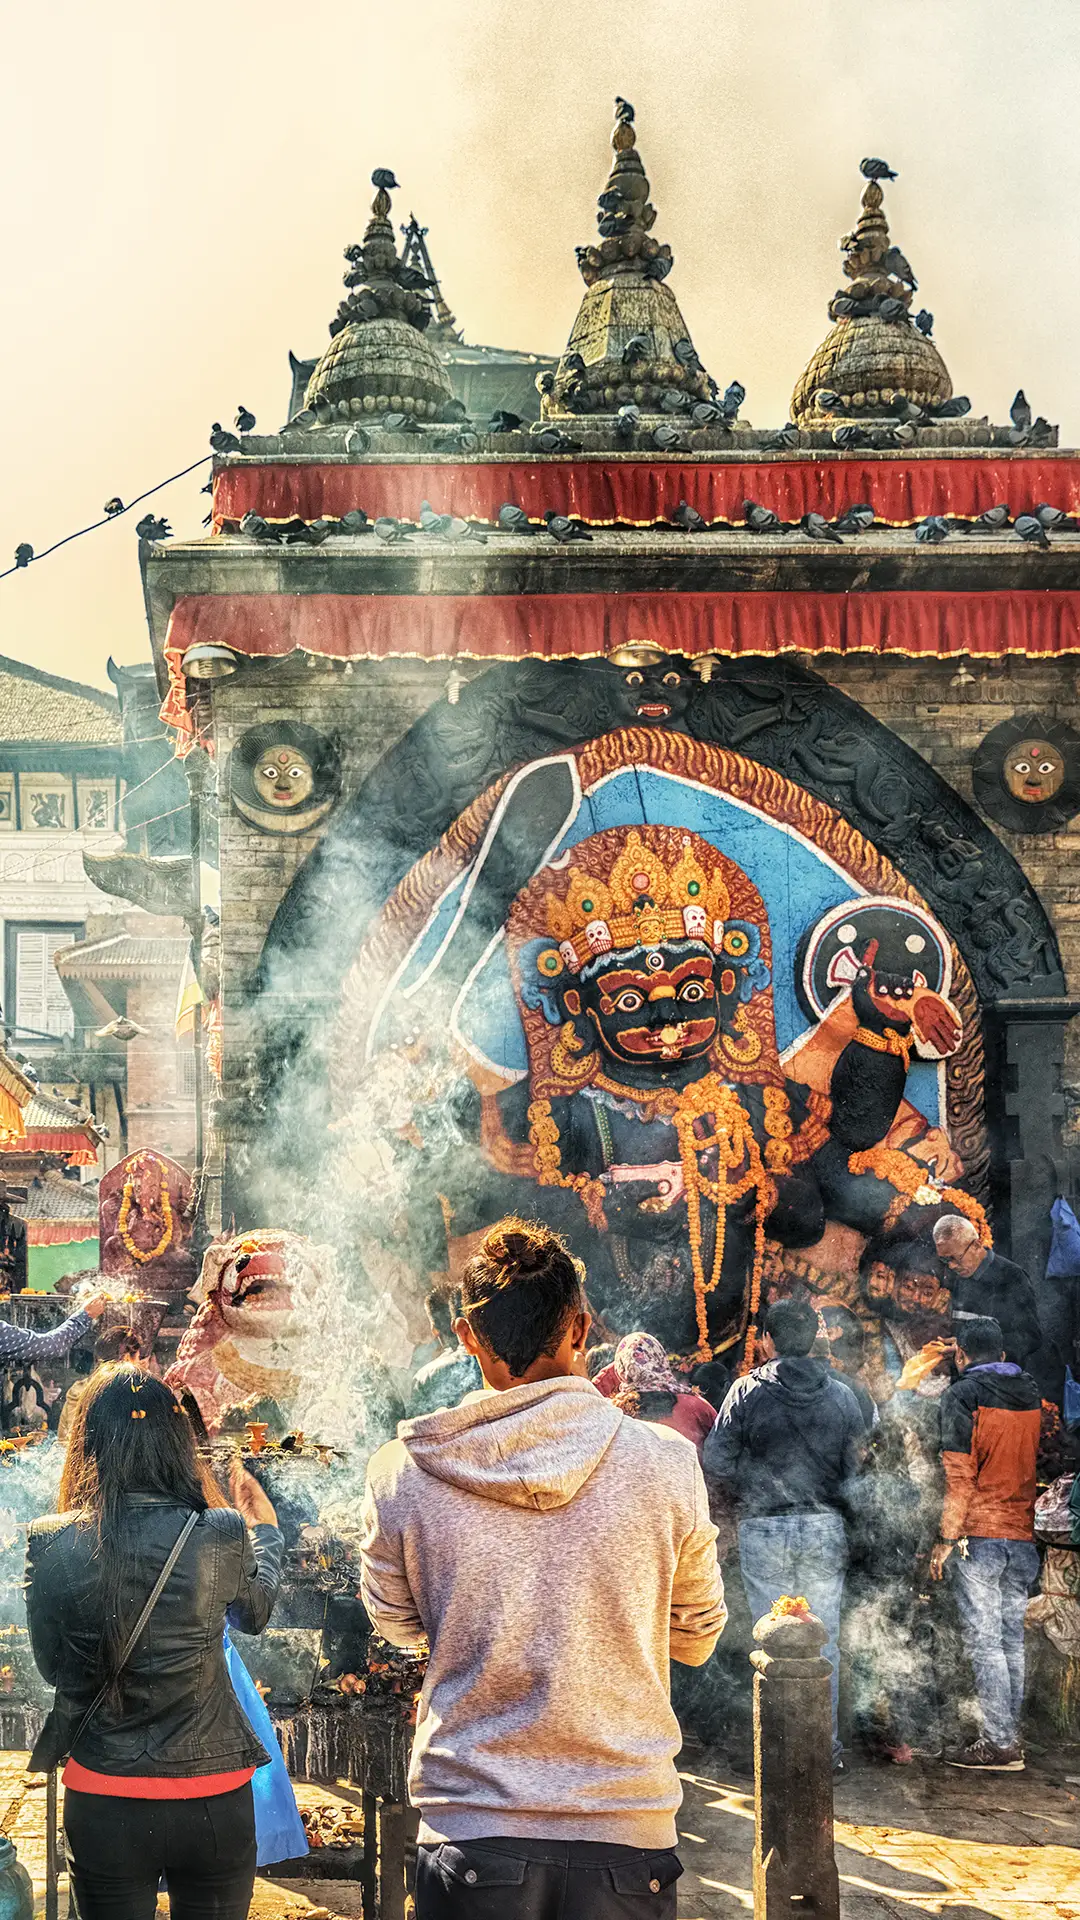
(649, 1389)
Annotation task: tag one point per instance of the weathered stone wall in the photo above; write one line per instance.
(369, 709)
(365, 711)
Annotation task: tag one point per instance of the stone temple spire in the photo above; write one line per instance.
(416, 253)
(876, 360)
(629, 342)
(379, 360)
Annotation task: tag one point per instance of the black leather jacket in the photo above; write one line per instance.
(179, 1716)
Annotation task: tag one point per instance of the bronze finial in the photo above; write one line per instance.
(881, 279)
(380, 284)
(876, 362)
(625, 215)
(378, 361)
(629, 346)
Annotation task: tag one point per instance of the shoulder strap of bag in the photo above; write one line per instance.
(158, 1589)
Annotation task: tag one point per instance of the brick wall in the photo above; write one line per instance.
(367, 711)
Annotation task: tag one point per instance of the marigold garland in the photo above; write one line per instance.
(910, 1179)
(737, 1147)
(544, 1134)
(890, 1041)
(127, 1201)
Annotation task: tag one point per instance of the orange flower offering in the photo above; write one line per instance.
(790, 1607)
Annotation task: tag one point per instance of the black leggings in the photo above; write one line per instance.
(119, 1850)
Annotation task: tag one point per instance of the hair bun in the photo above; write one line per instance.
(520, 1245)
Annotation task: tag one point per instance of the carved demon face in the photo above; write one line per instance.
(658, 695)
(283, 777)
(1034, 771)
(664, 1005)
(660, 1006)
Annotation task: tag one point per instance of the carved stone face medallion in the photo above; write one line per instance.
(1026, 774)
(1034, 771)
(283, 777)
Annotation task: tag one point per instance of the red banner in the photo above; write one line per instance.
(588, 625)
(638, 492)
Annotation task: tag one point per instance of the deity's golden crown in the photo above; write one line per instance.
(642, 903)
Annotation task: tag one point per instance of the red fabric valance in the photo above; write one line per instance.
(584, 625)
(59, 1233)
(48, 1140)
(638, 492)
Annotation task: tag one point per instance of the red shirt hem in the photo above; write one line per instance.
(124, 1786)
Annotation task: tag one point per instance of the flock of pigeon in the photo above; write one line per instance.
(1033, 528)
(461, 436)
(1024, 431)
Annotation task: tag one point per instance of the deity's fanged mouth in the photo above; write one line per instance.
(669, 1041)
(653, 710)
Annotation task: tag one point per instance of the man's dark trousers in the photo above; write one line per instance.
(544, 1880)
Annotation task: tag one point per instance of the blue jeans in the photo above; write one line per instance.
(992, 1587)
(798, 1553)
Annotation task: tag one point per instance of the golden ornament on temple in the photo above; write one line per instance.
(629, 344)
(379, 359)
(875, 360)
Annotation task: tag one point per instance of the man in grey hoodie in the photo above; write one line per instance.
(555, 1555)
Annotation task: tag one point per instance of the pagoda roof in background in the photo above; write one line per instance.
(58, 1211)
(44, 706)
(121, 955)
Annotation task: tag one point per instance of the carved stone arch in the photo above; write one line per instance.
(775, 712)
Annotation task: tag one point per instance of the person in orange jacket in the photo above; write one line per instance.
(990, 1424)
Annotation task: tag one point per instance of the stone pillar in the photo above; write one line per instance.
(1027, 1050)
(794, 1864)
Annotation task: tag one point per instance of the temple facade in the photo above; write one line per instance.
(635, 816)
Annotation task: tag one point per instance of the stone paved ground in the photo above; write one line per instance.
(910, 1841)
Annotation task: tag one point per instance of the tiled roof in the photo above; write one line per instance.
(42, 706)
(14, 1081)
(47, 1113)
(120, 954)
(54, 1198)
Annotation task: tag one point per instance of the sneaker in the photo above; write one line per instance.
(984, 1756)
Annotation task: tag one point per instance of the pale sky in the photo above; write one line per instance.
(178, 182)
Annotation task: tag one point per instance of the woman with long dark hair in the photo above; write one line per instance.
(159, 1778)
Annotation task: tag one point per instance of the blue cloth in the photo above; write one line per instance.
(992, 1587)
(279, 1830)
(1063, 1262)
(798, 1553)
(1070, 1411)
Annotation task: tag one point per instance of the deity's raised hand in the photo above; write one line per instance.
(934, 1020)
